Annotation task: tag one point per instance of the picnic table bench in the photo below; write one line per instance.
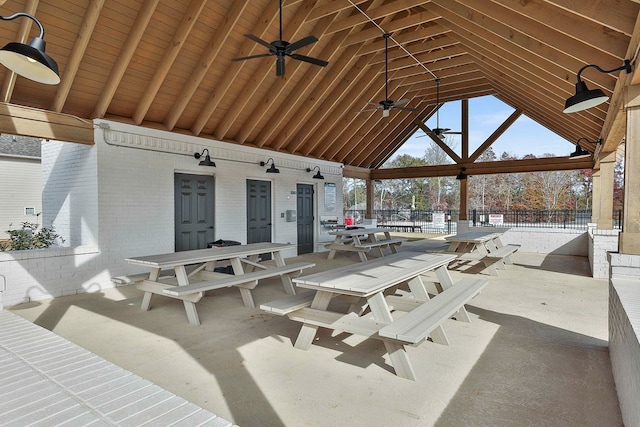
(362, 240)
(372, 280)
(485, 247)
(193, 273)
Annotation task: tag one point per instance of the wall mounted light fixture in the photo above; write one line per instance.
(317, 175)
(272, 168)
(207, 159)
(462, 175)
(580, 151)
(585, 98)
(30, 60)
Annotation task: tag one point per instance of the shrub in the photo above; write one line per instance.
(29, 237)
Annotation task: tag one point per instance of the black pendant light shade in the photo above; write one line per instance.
(207, 159)
(318, 175)
(30, 60)
(272, 168)
(462, 175)
(586, 98)
(580, 151)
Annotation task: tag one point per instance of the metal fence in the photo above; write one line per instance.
(445, 222)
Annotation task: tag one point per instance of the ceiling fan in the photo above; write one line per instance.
(386, 105)
(281, 48)
(438, 131)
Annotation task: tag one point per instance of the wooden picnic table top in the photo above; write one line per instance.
(358, 231)
(474, 236)
(367, 278)
(204, 255)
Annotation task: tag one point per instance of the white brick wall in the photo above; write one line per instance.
(111, 202)
(601, 242)
(545, 240)
(624, 330)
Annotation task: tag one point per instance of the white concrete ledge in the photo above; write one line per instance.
(624, 345)
(48, 380)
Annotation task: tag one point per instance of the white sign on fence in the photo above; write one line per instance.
(496, 219)
(438, 220)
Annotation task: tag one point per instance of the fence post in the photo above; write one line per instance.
(474, 216)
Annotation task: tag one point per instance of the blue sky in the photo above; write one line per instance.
(485, 115)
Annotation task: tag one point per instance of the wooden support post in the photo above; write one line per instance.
(629, 242)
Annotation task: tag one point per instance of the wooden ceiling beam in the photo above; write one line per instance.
(602, 13)
(509, 91)
(556, 27)
(426, 82)
(328, 109)
(542, 164)
(437, 66)
(341, 135)
(294, 26)
(362, 153)
(124, 58)
(201, 69)
(388, 8)
(163, 66)
(19, 120)
(535, 101)
(393, 26)
(538, 78)
(418, 39)
(222, 88)
(343, 114)
(314, 132)
(68, 75)
(331, 7)
(307, 84)
(545, 58)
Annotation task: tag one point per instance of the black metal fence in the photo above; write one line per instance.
(445, 222)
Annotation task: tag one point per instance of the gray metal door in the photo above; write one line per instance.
(305, 218)
(194, 208)
(258, 211)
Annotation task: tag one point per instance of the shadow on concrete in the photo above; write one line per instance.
(531, 368)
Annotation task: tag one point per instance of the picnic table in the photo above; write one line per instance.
(186, 275)
(483, 246)
(362, 240)
(377, 282)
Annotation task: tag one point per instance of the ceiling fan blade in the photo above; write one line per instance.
(367, 109)
(377, 104)
(401, 102)
(300, 43)
(262, 55)
(403, 108)
(314, 61)
(260, 41)
(438, 131)
(453, 133)
(280, 65)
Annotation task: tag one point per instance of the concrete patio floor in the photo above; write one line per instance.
(535, 353)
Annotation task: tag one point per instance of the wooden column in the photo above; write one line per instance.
(595, 196)
(463, 199)
(605, 206)
(371, 184)
(629, 242)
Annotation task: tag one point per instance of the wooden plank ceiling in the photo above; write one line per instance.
(167, 64)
